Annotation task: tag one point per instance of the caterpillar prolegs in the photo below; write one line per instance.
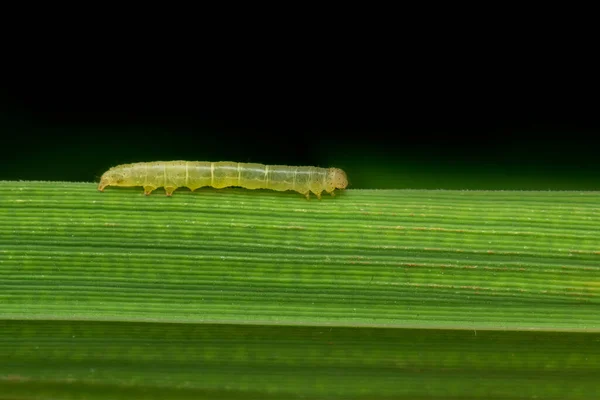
(196, 174)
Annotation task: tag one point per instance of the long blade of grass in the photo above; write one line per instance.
(398, 258)
(100, 360)
(385, 294)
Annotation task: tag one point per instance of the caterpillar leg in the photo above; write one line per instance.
(332, 194)
(307, 194)
(169, 190)
(148, 190)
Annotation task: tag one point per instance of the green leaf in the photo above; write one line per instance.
(99, 360)
(383, 293)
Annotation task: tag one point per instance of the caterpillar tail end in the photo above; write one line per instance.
(102, 185)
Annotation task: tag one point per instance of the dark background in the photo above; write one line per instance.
(408, 118)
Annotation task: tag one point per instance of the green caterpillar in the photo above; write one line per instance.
(196, 174)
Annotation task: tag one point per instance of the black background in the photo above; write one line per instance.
(424, 114)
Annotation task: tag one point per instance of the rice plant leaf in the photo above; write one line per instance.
(236, 293)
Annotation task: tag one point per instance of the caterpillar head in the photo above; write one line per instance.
(337, 179)
(115, 177)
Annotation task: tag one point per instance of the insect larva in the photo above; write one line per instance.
(196, 174)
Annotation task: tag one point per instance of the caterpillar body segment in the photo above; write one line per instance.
(197, 174)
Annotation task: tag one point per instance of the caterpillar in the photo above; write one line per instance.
(197, 174)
